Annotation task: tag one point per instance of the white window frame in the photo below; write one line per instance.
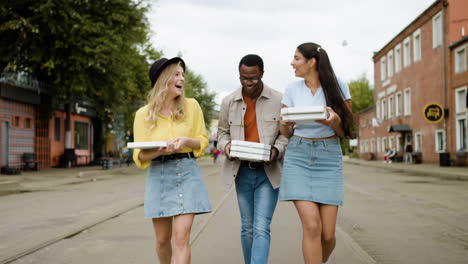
(444, 140)
(418, 145)
(383, 69)
(398, 58)
(437, 30)
(398, 104)
(398, 141)
(390, 107)
(407, 102)
(377, 109)
(384, 109)
(372, 146)
(460, 68)
(390, 64)
(378, 145)
(417, 45)
(391, 142)
(366, 146)
(461, 114)
(407, 52)
(384, 144)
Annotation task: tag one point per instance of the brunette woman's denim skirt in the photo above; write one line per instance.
(175, 187)
(313, 171)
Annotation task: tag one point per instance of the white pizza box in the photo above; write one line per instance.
(250, 144)
(250, 150)
(303, 110)
(147, 144)
(305, 117)
(249, 157)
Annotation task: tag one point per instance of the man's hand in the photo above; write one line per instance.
(227, 151)
(273, 154)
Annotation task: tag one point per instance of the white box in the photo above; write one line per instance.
(147, 144)
(250, 150)
(304, 114)
(303, 110)
(250, 144)
(249, 156)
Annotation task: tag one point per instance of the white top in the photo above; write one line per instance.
(298, 94)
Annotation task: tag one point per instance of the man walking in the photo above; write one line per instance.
(251, 113)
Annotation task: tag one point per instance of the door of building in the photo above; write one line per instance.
(5, 136)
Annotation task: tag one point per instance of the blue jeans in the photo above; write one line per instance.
(257, 202)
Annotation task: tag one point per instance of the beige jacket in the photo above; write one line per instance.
(231, 127)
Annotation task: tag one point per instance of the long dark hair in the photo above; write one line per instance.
(330, 86)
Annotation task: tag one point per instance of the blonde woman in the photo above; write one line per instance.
(175, 192)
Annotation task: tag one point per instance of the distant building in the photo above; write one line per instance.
(22, 132)
(421, 81)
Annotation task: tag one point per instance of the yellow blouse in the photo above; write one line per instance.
(192, 126)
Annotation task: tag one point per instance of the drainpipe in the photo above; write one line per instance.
(444, 68)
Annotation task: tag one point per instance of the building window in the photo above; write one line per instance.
(384, 109)
(398, 58)
(390, 64)
(81, 135)
(27, 122)
(437, 30)
(407, 103)
(384, 144)
(440, 140)
(378, 144)
(398, 105)
(460, 118)
(399, 143)
(366, 146)
(391, 142)
(373, 145)
(406, 52)
(57, 129)
(377, 109)
(390, 107)
(460, 60)
(16, 121)
(417, 45)
(383, 69)
(418, 142)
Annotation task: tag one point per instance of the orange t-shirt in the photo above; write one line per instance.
(250, 121)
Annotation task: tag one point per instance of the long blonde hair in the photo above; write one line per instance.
(158, 94)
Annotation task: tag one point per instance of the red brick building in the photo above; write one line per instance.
(424, 64)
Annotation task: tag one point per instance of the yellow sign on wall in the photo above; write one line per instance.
(433, 113)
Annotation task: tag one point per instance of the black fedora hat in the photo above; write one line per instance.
(159, 65)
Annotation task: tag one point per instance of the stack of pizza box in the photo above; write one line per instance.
(250, 151)
(304, 114)
(147, 144)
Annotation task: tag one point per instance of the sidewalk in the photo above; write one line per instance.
(424, 169)
(29, 181)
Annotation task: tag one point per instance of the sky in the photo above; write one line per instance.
(213, 35)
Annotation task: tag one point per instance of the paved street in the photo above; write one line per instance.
(388, 217)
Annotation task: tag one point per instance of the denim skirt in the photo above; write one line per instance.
(313, 171)
(175, 187)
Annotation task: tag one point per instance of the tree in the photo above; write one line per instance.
(361, 94)
(362, 98)
(97, 50)
(195, 87)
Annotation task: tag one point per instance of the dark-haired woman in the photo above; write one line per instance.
(312, 172)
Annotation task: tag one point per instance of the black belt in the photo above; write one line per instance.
(175, 156)
(253, 164)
